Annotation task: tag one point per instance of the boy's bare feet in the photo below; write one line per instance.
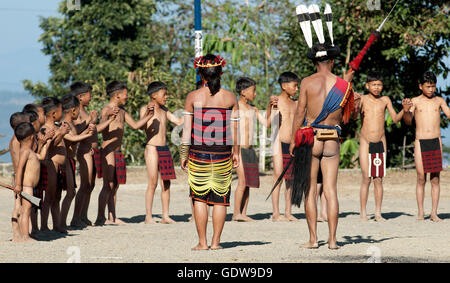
(200, 248)
(310, 245)
(150, 220)
(119, 222)
(379, 218)
(77, 223)
(28, 239)
(364, 218)
(167, 220)
(86, 221)
(216, 247)
(100, 222)
(291, 218)
(435, 218)
(278, 218)
(333, 246)
(420, 217)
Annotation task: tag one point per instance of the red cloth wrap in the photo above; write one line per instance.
(304, 136)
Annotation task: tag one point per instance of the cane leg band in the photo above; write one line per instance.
(184, 151)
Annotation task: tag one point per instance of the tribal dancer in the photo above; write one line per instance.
(325, 101)
(209, 149)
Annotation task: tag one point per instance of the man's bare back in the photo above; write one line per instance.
(317, 87)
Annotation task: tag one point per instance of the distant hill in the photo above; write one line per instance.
(10, 102)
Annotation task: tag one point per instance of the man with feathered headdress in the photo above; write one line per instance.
(325, 101)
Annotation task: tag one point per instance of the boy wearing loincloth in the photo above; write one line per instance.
(14, 149)
(88, 154)
(27, 174)
(247, 172)
(372, 145)
(113, 162)
(37, 119)
(71, 111)
(283, 108)
(426, 111)
(157, 154)
(55, 164)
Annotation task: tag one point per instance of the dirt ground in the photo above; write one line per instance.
(400, 239)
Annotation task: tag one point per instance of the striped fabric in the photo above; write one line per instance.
(286, 159)
(251, 171)
(211, 126)
(165, 160)
(431, 155)
(336, 99)
(121, 170)
(98, 162)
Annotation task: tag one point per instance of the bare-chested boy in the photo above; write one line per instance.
(324, 104)
(71, 111)
(14, 149)
(113, 162)
(285, 107)
(157, 154)
(55, 164)
(88, 154)
(372, 145)
(37, 119)
(248, 173)
(426, 110)
(27, 174)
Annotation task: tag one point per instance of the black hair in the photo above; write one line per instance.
(199, 84)
(69, 101)
(287, 77)
(50, 103)
(78, 88)
(374, 76)
(31, 108)
(31, 115)
(211, 75)
(114, 86)
(328, 51)
(428, 77)
(23, 130)
(16, 119)
(244, 83)
(155, 87)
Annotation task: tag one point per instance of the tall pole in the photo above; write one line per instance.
(198, 30)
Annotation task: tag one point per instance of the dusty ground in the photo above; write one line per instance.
(400, 239)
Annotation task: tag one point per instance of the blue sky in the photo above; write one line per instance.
(21, 56)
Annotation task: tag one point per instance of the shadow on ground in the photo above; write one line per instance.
(228, 245)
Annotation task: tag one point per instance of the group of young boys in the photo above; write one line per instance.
(49, 137)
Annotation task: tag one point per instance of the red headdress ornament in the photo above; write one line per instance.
(200, 62)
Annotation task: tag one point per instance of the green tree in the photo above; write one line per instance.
(111, 40)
